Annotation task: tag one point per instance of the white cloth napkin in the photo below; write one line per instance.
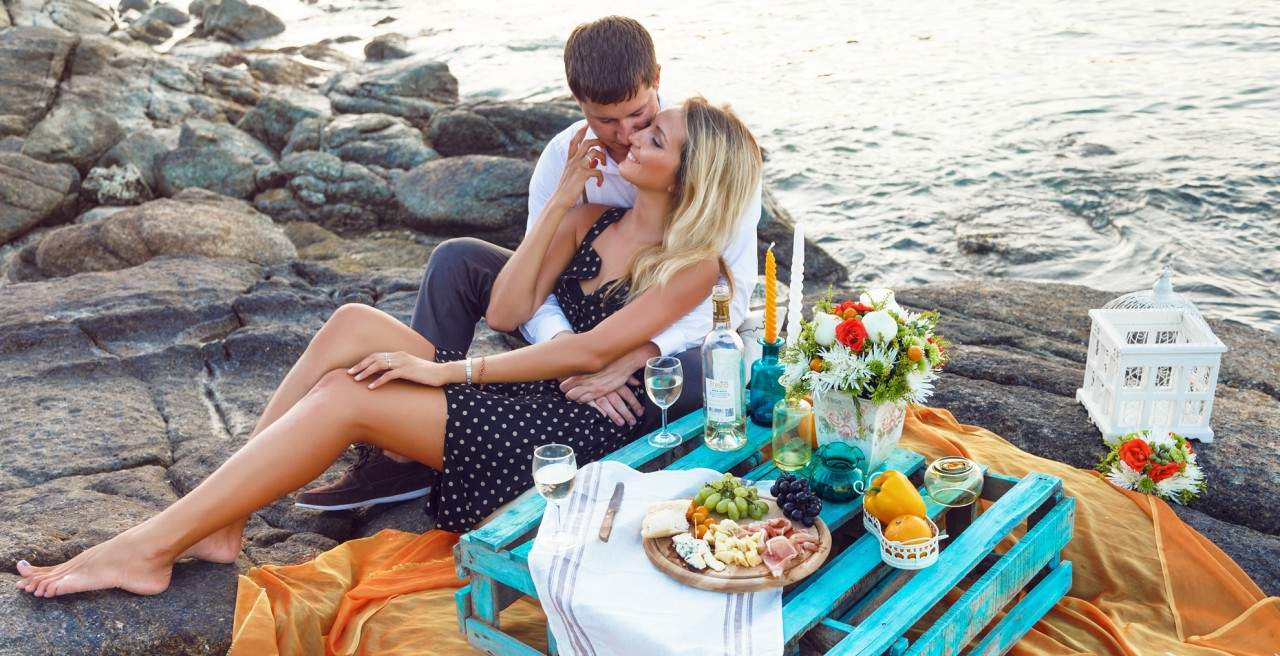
(608, 598)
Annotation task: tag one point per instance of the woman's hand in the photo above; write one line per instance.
(585, 158)
(399, 365)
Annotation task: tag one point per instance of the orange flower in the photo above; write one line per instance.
(1160, 472)
(1135, 453)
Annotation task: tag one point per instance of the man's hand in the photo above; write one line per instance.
(607, 389)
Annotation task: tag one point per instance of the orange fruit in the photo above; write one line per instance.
(915, 353)
(906, 528)
(850, 314)
(816, 364)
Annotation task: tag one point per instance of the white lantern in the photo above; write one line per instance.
(1153, 363)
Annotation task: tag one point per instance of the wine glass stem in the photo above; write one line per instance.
(664, 420)
(559, 525)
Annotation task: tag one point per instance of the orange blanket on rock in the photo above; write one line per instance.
(1145, 582)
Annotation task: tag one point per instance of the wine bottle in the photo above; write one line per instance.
(724, 378)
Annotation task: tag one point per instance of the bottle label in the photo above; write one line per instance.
(719, 398)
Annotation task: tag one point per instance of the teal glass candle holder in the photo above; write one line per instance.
(838, 472)
(765, 389)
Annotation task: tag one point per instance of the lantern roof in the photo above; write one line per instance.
(1160, 297)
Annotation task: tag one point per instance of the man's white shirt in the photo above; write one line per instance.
(688, 331)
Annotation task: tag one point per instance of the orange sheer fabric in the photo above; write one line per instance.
(1145, 582)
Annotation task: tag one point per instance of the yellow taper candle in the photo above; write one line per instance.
(770, 297)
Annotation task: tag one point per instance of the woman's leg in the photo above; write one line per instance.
(404, 417)
(351, 333)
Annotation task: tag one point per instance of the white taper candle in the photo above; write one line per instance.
(796, 292)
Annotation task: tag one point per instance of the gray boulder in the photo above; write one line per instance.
(32, 61)
(383, 249)
(169, 14)
(237, 21)
(379, 140)
(199, 133)
(140, 6)
(115, 185)
(276, 68)
(11, 144)
(214, 169)
(278, 113)
(150, 29)
(197, 7)
(195, 222)
(34, 193)
(342, 196)
(472, 193)
(500, 128)
(413, 88)
(73, 135)
(387, 46)
(77, 16)
(141, 89)
(140, 150)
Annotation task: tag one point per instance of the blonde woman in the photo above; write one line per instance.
(621, 275)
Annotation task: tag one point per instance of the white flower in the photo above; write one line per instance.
(882, 299)
(1124, 476)
(794, 372)
(920, 385)
(824, 329)
(881, 327)
(847, 369)
(885, 355)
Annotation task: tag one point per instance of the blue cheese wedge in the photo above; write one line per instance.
(690, 549)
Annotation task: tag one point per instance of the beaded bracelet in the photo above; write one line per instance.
(467, 367)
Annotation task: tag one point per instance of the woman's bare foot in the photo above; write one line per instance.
(121, 562)
(223, 546)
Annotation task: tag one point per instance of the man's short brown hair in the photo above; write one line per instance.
(609, 60)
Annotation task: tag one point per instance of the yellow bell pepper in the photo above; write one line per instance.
(891, 495)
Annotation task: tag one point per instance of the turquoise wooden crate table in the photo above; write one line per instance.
(854, 604)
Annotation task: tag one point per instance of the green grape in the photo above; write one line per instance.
(741, 493)
(712, 500)
(732, 511)
(723, 506)
(741, 504)
(756, 513)
(702, 495)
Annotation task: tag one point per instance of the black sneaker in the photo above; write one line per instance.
(372, 479)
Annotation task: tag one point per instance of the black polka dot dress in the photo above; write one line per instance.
(492, 430)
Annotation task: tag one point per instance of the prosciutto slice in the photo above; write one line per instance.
(778, 551)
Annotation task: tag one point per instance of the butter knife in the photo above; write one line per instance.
(606, 526)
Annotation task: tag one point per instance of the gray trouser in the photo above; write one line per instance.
(455, 294)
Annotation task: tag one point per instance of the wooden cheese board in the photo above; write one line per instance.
(735, 578)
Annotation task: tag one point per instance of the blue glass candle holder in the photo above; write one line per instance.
(765, 389)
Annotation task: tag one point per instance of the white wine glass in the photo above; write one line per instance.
(554, 468)
(663, 380)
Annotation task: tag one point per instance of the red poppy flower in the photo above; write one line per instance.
(852, 334)
(1160, 472)
(1135, 453)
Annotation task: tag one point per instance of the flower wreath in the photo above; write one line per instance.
(1155, 462)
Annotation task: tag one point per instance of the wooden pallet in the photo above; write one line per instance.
(854, 604)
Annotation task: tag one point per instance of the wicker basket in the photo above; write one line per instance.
(916, 554)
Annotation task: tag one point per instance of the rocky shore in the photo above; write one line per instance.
(174, 228)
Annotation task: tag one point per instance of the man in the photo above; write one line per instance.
(613, 73)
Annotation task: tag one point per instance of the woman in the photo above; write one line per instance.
(620, 275)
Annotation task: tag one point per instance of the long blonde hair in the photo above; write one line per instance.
(720, 169)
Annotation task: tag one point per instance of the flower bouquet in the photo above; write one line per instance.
(1155, 462)
(862, 362)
